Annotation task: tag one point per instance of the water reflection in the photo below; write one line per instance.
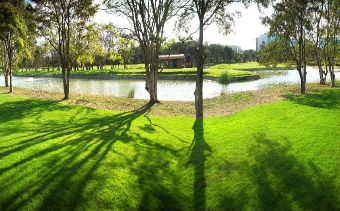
(167, 90)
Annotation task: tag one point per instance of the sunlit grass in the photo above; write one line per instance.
(279, 156)
(233, 71)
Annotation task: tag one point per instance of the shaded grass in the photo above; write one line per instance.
(278, 156)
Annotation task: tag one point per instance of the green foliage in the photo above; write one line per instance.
(234, 71)
(131, 93)
(13, 28)
(224, 78)
(115, 56)
(65, 26)
(55, 156)
(214, 53)
(87, 46)
(275, 53)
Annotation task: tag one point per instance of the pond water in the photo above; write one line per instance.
(167, 90)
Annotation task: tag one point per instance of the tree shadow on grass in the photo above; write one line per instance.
(284, 183)
(16, 110)
(79, 156)
(199, 149)
(329, 99)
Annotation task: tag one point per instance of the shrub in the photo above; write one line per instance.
(224, 78)
(131, 93)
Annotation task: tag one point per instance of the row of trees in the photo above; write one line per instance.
(305, 32)
(14, 23)
(66, 28)
(148, 19)
(213, 53)
(110, 46)
(101, 45)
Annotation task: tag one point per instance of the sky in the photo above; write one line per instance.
(244, 31)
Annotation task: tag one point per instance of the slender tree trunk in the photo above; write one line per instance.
(303, 86)
(10, 82)
(67, 92)
(321, 71)
(125, 64)
(5, 68)
(10, 62)
(153, 83)
(48, 64)
(6, 76)
(301, 60)
(332, 74)
(10, 75)
(199, 78)
(66, 75)
(332, 61)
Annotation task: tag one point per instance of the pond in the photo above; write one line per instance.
(170, 90)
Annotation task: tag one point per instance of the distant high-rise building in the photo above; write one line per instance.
(236, 48)
(262, 41)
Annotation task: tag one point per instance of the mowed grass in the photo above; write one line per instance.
(233, 70)
(278, 156)
(248, 66)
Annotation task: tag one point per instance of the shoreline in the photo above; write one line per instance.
(222, 105)
(142, 77)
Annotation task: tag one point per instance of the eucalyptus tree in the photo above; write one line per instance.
(118, 44)
(291, 22)
(147, 18)
(332, 16)
(317, 35)
(125, 45)
(56, 20)
(207, 12)
(108, 37)
(86, 46)
(13, 35)
(3, 62)
(274, 53)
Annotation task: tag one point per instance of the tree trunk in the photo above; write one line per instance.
(321, 71)
(10, 76)
(66, 79)
(301, 60)
(152, 86)
(332, 74)
(303, 86)
(6, 76)
(150, 62)
(125, 64)
(199, 78)
(48, 64)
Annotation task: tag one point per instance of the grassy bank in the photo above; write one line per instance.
(233, 71)
(278, 156)
(224, 104)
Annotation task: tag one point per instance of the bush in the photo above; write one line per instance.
(224, 78)
(131, 93)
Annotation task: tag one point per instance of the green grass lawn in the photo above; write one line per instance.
(233, 70)
(247, 66)
(278, 156)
